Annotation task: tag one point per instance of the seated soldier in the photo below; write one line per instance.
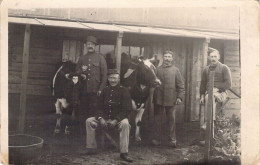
(222, 82)
(115, 106)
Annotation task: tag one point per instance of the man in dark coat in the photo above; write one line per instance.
(115, 106)
(94, 67)
(169, 93)
(222, 82)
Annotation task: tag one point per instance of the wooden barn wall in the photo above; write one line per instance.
(232, 59)
(183, 50)
(45, 53)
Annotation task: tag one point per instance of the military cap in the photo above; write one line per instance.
(92, 39)
(211, 50)
(112, 71)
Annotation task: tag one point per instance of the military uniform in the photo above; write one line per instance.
(96, 78)
(114, 103)
(165, 97)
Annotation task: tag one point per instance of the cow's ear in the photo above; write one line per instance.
(128, 72)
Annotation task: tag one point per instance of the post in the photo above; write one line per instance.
(24, 77)
(209, 126)
(119, 50)
(205, 46)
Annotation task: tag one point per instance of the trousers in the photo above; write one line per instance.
(123, 127)
(219, 97)
(170, 122)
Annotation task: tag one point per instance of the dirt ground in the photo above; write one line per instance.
(60, 150)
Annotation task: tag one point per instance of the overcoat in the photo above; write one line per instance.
(172, 86)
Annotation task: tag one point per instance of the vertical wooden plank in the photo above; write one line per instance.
(25, 66)
(209, 116)
(204, 60)
(65, 50)
(78, 50)
(118, 50)
(72, 50)
(187, 83)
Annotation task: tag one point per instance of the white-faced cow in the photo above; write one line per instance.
(138, 75)
(66, 89)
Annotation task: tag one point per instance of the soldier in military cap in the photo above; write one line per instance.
(115, 106)
(93, 66)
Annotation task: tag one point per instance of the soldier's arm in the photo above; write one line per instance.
(226, 84)
(179, 85)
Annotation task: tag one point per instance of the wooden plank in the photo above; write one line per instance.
(209, 117)
(31, 89)
(188, 83)
(72, 50)
(24, 77)
(38, 51)
(231, 63)
(37, 59)
(18, 80)
(78, 50)
(31, 76)
(195, 74)
(233, 104)
(33, 67)
(65, 50)
(118, 50)
(234, 69)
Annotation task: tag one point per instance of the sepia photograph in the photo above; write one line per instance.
(122, 84)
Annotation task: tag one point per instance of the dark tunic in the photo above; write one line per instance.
(222, 78)
(115, 103)
(96, 72)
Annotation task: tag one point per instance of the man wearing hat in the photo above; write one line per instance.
(222, 82)
(166, 96)
(93, 66)
(115, 106)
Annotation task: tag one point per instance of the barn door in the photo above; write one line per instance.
(72, 49)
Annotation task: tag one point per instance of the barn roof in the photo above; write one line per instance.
(123, 28)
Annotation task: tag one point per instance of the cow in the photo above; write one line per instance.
(138, 75)
(66, 87)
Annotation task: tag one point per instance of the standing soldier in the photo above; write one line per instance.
(94, 67)
(169, 93)
(222, 82)
(115, 106)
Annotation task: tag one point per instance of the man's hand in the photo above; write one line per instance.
(67, 75)
(84, 76)
(202, 100)
(178, 101)
(99, 92)
(112, 123)
(103, 123)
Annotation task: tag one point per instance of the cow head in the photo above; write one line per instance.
(145, 72)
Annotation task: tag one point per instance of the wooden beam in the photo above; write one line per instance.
(205, 52)
(24, 77)
(119, 50)
(209, 127)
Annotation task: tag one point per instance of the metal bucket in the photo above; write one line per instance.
(24, 148)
